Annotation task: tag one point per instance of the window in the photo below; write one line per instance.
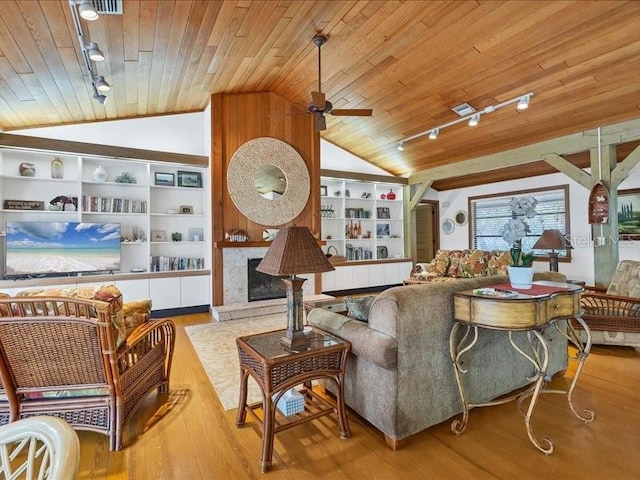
(489, 213)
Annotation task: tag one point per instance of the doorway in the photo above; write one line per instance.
(427, 230)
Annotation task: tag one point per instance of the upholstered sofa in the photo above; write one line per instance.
(449, 265)
(399, 374)
(81, 354)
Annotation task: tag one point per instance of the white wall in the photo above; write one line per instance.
(333, 157)
(187, 133)
(582, 265)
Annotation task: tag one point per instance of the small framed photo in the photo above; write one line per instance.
(187, 209)
(384, 212)
(323, 190)
(189, 179)
(382, 229)
(165, 179)
(158, 236)
(196, 235)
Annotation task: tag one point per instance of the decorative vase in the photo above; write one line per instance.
(100, 174)
(27, 169)
(521, 277)
(57, 168)
(391, 195)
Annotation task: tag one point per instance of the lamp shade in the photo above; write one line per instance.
(294, 251)
(552, 240)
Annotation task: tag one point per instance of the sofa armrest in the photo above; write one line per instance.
(375, 346)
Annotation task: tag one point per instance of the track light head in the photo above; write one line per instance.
(433, 134)
(474, 120)
(102, 99)
(523, 103)
(87, 10)
(400, 147)
(94, 52)
(101, 84)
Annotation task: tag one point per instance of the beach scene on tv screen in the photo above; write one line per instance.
(46, 248)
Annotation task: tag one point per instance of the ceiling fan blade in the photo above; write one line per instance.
(321, 123)
(318, 99)
(352, 112)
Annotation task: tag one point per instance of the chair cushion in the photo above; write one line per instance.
(626, 279)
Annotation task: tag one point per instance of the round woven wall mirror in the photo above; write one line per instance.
(461, 218)
(249, 164)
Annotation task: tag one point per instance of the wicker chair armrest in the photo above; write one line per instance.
(146, 338)
(599, 303)
(593, 288)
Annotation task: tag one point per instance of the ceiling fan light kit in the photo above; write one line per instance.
(90, 51)
(319, 105)
(472, 117)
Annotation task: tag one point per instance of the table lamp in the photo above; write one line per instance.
(552, 240)
(294, 251)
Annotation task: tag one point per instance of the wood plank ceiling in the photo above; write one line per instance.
(410, 61)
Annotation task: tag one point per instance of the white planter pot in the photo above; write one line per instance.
(521, 277)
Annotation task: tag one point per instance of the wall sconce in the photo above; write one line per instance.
(471, 116)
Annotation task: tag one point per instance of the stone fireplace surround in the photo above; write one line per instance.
(235, 304)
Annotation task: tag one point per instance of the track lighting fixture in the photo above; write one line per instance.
(101, 84)
(523, 103)
(87, 10)
(94, 52)
(471, 116)
(89, 50)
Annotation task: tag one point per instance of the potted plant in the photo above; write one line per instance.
(516, 228)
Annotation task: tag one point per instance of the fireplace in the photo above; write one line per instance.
(262, 286)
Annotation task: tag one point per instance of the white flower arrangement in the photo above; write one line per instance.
(516, 228)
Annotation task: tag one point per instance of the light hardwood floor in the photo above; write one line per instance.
(191, 437)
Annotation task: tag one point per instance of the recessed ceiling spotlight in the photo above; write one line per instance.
(433, 134)
(523, 103)
(87, 10)
(474, 120)
(94, 52)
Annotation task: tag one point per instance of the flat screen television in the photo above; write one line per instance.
(36, 249)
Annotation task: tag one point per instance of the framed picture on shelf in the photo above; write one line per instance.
(382, 229)
(629, 214)
(188, 209)
(323, 190)
(384, 212)
(158, 236)
(165, 179)
(196, 235)
(189, 179)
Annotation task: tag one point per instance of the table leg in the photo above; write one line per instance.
(342, 416)
(268, 425)
(241, 415)
(456, 350)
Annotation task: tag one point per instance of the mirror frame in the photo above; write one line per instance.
(247, 160)
(465, 218)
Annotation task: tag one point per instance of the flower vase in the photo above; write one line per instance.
(100, 174)
(391, 195)
(521, 277)
(57, 168)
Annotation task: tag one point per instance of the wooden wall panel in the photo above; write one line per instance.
(236, 119)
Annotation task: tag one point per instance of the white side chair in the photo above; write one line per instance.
(40, 447)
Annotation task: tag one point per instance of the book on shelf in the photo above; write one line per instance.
(112, 205)
(161, 263)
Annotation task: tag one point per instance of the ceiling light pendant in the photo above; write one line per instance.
(102, 99)
(433, 134)
(523, 103)
(101, 84)
(474, 120)
(400, 147)
(87, 10)
(94, 52)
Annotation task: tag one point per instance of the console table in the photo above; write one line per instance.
(276, 369)
(510, 310)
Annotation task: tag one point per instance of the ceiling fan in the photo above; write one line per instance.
(319, 105)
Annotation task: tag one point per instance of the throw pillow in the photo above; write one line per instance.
(358, 307)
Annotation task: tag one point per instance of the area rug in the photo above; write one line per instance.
(215, 345)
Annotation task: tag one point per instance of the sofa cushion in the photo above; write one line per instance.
(472, 264)
(358, 307)
(498, 261)
(454, 263)
(626, 279)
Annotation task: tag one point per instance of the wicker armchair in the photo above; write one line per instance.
(59, 356)
(613, 316)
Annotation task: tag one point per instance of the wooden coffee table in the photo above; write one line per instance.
(276, 369)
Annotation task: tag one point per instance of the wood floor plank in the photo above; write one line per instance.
(192, 437)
